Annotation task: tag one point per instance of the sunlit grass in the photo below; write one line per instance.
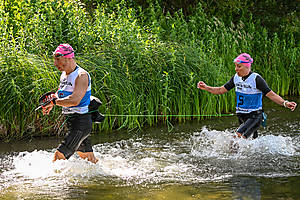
(137, 69)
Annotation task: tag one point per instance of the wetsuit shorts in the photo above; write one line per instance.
(249, 123)
(79, 128)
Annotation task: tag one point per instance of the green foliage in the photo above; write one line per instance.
(142, 61)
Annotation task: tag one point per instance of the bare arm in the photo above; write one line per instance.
(279, 100)
(81, 85)
(214, 90)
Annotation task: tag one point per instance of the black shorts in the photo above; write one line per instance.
(79, 128)
(249, 123)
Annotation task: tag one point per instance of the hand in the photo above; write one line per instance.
(48, 107)
(201, 85)
(291, 105)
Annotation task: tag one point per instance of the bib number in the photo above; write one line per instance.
(241, 100)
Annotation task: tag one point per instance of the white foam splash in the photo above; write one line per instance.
(39, 165)
(138, 161)
(36, 164)
(275, 145)
(213, 143)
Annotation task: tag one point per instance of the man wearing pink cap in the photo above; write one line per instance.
(250, 88)
(73, 96)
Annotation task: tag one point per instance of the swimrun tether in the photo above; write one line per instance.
(166, 116)
(216, 115)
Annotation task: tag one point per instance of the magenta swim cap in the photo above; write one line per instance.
(245, 59)
(64, 50)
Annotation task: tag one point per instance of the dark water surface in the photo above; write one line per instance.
(193, 161)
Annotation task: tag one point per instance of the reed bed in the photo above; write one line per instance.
(137, 67)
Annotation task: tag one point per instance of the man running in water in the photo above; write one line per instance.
(250, 88)
(73, 96)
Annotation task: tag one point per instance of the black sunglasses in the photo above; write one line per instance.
(57, 54)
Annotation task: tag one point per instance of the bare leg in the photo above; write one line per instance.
(58, 156)
(239, 135)
(89, 155)
(233, 145)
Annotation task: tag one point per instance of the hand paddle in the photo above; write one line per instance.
(45, 99)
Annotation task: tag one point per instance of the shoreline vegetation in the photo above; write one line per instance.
(143, 60)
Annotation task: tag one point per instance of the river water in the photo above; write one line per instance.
(193, 161)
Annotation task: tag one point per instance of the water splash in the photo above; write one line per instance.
(203, 156)
(212, 143)
(269, 155)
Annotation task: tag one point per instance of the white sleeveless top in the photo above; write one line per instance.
(66, 88)
(249, 98)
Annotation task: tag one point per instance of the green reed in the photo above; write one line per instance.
(140, 65)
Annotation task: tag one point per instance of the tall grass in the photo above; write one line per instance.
(139, 66)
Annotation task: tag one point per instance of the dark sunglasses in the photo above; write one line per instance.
(57, 54)
(238, 61)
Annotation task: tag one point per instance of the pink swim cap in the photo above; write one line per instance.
(245, 59)
(64, 50)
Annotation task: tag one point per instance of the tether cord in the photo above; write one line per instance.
(112, 115)
(216, 115)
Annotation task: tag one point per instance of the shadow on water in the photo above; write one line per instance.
(193, 161)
